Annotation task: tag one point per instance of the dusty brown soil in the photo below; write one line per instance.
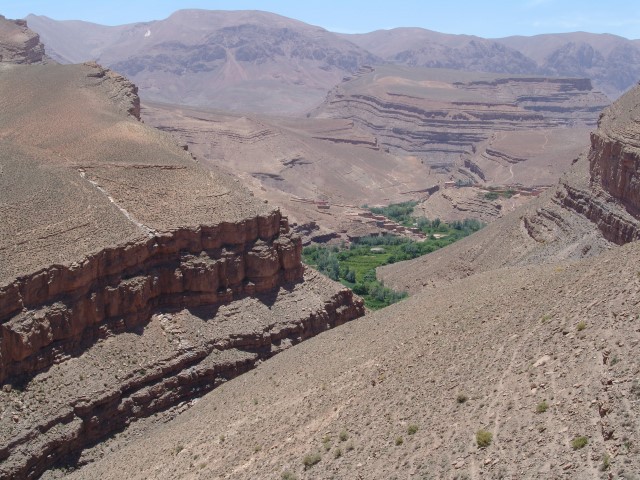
(505, 340)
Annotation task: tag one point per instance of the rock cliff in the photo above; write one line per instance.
(132, 278)
(18, 44)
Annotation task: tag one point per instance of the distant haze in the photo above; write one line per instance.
(486, 19)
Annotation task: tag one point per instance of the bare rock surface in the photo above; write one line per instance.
(19, 44)
(439, 114)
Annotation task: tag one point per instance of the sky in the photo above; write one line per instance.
(484, 18)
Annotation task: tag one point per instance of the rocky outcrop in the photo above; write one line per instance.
(18, 44)
(123, 91)
(54, 313)
(612, 199)
(615, 152)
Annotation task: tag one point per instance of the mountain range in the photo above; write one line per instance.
(262, 62)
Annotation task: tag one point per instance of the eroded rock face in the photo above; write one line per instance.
(612, 198)
(615, 152)
(18, 44)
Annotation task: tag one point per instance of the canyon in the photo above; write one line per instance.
(525, 332)
(156, 320)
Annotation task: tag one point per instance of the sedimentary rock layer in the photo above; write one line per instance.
(440, 114)
(18, 44)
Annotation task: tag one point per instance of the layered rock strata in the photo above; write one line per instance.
(612, 198)
(18, 44)
(440, 114)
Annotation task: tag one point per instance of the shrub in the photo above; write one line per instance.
(343, 436)
(483, 438)
(310, 459)
(581, 326)
(288, 476)
(412, 429)
(606, 462)
(461, 398)
(349, 446)
(579, 442)
(542, 407)
(399, 441)
(337, 453)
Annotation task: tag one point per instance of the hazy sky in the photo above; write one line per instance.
(478, 17)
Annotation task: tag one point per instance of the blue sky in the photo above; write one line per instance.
(477, 17)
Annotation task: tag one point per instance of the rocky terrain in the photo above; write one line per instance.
(471, 128)
(124, 294)
(245, 61)
(393, 134)
(19, 44)
(320, 172)
(515, 357)
(592, 208)
(611, 62)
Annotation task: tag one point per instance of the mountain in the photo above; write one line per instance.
(418, 47)
(515, 357)
(611, 62)
(238, 61)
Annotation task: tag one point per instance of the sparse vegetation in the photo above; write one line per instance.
(606, 462)
(461, 398)
(310, 459)
(178, 448)
(495, 194)
(581, 326)
(542, 407)
(398, 212)
(288, 476)
(579, 442)
(412, 429)
(484, 438)
(399, 441)
(355, 266)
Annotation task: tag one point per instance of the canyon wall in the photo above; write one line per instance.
(441, 114)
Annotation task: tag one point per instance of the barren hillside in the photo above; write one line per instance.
(611, 62)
